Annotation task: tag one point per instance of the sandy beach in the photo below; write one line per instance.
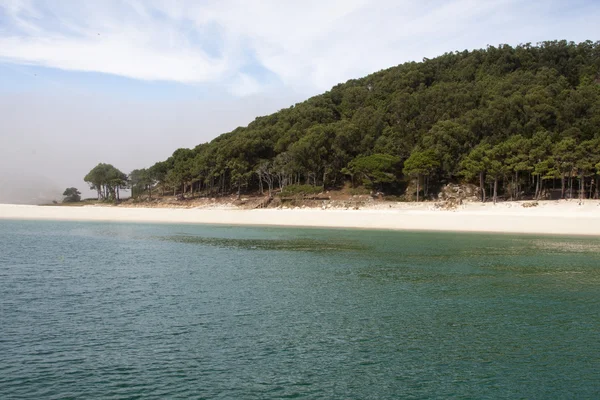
(548, 217)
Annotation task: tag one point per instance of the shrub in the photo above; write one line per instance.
(361, 190)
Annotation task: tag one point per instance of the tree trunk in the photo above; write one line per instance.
(418, 189)
(532, 180)
(482, 186)
(516, 185)
(562, 186)
(570, 185)
(495, 190)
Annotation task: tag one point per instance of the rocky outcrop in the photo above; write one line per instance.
(460, 193)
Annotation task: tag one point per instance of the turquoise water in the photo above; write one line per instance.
(123, 311)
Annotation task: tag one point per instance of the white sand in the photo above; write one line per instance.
(550, 217)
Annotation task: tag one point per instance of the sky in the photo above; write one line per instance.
(127, 82)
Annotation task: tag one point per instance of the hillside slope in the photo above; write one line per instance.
(522, 119)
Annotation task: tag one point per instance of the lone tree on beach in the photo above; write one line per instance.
(72, 195)
(106, 180)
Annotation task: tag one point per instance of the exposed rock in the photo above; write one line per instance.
(449, 204)
(530, 204)
(459, 193)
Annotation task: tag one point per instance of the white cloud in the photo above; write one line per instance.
(309, 45)
(113, 56)
(245, 85)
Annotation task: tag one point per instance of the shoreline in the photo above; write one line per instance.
(549, 218)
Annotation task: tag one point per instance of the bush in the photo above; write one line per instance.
(361, 190)
(72, 195)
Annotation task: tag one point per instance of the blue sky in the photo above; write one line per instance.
(182, 72)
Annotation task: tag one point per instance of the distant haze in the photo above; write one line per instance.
(49, 143)
(22, 189)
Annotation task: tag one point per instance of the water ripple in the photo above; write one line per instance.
(125, 311)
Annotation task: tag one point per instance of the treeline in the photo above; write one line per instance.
(517, 121)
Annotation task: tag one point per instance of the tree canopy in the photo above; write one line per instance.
(375, 170)
(71, 195)
(106, 180)
(522, 120)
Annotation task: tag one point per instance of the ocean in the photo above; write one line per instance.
(125, 311)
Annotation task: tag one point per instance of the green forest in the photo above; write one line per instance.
(519, 122)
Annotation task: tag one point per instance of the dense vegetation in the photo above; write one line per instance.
(516, 121)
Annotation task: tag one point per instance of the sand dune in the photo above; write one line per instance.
(550, 217)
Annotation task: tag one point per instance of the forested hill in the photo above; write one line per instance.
(522, 118)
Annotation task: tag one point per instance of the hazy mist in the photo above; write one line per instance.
(49, 142)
